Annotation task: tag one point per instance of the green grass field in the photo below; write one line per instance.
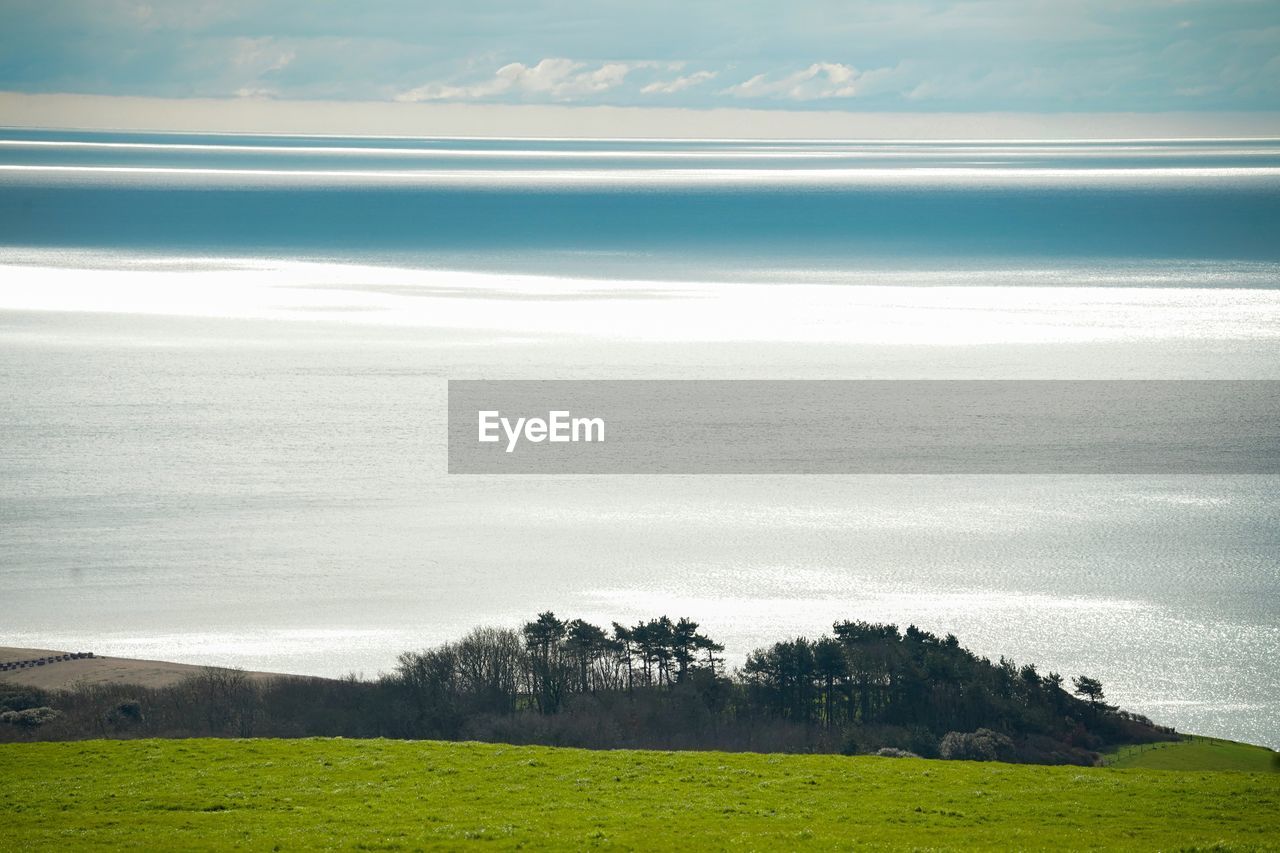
(393, 795)
(1197, 753)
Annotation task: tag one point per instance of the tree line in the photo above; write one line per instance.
(660, 683)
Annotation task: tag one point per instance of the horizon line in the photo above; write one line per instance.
(284, 134)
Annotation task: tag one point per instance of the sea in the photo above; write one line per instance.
(223, 368)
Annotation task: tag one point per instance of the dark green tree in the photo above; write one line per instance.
(1089, 688)
(542, 640)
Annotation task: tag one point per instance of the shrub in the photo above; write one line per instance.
(894, 752)
(20, 701)
(866, 740)
(982, 745)
(125, 713)
(30, 717)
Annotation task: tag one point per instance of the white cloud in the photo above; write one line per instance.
(818, 81)
(555, 78)
(1095, 55)
(679, 84)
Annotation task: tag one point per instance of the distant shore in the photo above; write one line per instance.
(1190, 752)
(98, 669)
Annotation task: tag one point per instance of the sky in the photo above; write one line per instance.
(881, 56)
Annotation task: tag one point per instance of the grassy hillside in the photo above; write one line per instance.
(1197, 753)
(405, 795)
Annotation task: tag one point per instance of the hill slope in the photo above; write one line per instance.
(1196, 753)
(393, 794)
(98, 670)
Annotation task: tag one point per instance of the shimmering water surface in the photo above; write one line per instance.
(223, 360)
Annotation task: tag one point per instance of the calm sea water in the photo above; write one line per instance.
(222, 361)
